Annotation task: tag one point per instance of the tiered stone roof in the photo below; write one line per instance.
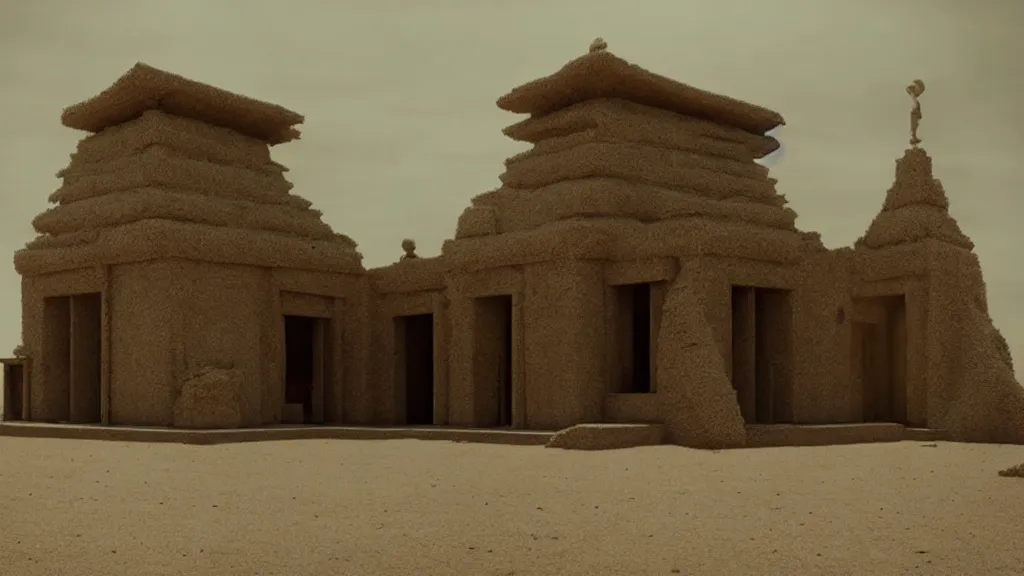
(147, 88)
(601, 74)
(174, 158)
(612, 140)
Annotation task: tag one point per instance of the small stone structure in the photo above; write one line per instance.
(636, 266)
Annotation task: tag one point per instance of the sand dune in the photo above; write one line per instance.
(434, 508)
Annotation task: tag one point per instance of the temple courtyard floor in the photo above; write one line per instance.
(412, 507)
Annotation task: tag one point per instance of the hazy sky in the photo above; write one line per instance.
(401, 127)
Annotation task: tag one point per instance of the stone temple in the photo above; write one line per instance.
(636, 267)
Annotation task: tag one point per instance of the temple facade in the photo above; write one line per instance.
(637, 265)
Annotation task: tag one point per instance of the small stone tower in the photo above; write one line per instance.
(174, 249)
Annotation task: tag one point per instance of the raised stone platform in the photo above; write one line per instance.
(608, 436)
(208, 437)
(581, 437)
(833, 434)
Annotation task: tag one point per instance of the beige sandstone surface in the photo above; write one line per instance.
(396, 508)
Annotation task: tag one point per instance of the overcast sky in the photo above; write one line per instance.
(401, 127)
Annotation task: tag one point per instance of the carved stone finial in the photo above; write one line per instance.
(598, 45)
(20, 352)
(915, 89)
(409, 247)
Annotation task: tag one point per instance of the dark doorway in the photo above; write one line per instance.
(14, 390)
(879, 358)
(633, 359)
(416, 366)
(761, 354)
(492, 361)
(300, 363)
(72, 388)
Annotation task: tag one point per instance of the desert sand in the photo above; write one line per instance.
(406, 507)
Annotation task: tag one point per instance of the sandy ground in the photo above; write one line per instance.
(411, 508)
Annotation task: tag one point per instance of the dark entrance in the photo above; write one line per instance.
(634, 349)
(415, 345)
(14, 390)
(761, 353)
(301, 363)
(72, 325)
(492, 361)
(879, 358)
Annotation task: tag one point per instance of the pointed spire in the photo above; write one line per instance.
(916, 208)
(915, 184)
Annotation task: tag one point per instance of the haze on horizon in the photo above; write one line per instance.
(401, 128)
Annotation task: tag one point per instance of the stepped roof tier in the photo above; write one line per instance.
(601, 74)
(613, 142)
(176, 168)
(916, 208)
(147, 88)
